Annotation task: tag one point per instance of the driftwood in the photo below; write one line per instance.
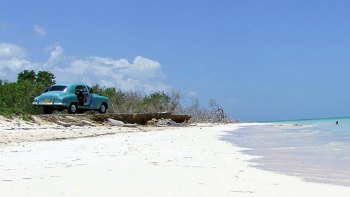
(115, 122)
(129, 119)
(63, 123)
(139, 118)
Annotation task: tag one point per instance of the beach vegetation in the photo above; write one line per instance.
(16, 99)
(213, 113)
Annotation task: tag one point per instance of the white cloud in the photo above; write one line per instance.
(8, 50)
(141, 74)
(13, 60)
(41, 31)
(57, 57)
(9, 67)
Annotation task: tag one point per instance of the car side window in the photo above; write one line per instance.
(90, 90)
(85, 89)
(79, 89)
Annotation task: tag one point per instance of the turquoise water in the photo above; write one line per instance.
(317, 150)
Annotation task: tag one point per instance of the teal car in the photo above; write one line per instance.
(74, 97)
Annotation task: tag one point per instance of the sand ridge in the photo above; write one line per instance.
(17, 130)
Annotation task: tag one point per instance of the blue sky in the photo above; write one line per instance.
(261, 60)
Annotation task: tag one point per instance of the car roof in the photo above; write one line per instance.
(70, 86)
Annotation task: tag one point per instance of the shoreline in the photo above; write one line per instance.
(183, 161)
(299, 150)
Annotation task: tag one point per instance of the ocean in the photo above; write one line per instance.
(317, 150)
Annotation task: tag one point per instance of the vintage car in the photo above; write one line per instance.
(74, 97)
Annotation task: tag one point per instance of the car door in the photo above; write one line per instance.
(87, 97)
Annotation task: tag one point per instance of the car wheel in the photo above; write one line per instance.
(72, 109)
(103, 108)
(47, 110)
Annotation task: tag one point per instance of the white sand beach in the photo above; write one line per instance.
(183, 161)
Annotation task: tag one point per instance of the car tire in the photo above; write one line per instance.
(47, 110)
(103, 108)
(72, 109)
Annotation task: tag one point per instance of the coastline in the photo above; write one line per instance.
(314, 151)
(183, 161)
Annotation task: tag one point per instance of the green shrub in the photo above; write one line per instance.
(16, 97)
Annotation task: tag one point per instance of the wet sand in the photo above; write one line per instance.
(298, 150)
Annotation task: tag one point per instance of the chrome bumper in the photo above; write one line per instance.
(48, 104)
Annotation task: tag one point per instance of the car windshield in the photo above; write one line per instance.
(57, 88)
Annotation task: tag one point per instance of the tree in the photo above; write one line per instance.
(46, 78)
(156, 102)
(198, 113)
(218, 113)
(175, 102)
(26, 75)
